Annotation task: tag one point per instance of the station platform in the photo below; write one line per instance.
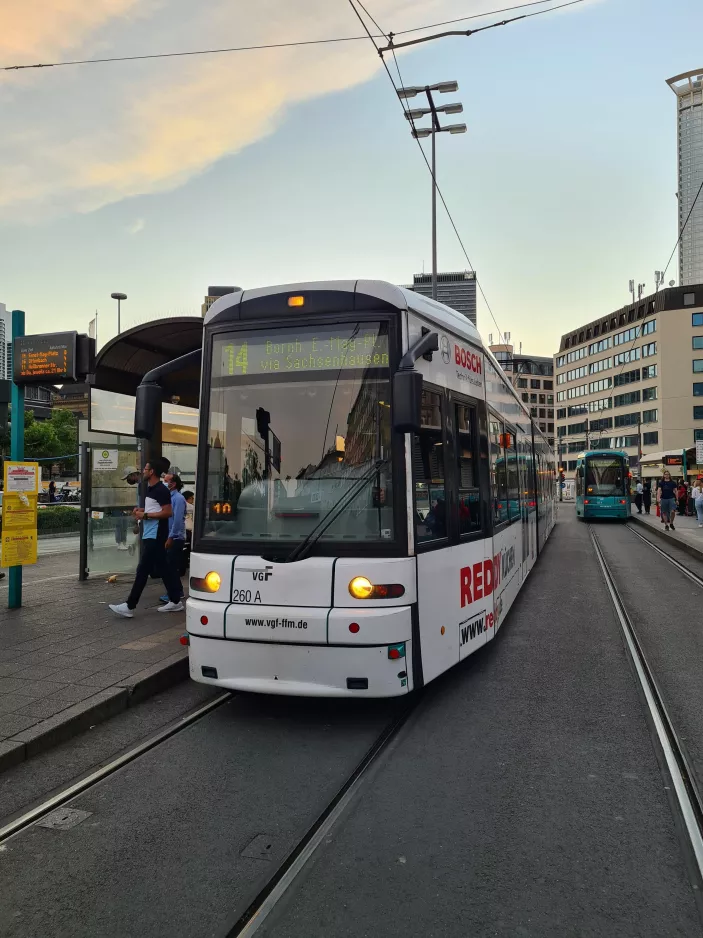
(686, 533)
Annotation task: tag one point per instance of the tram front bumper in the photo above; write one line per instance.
(341, 652)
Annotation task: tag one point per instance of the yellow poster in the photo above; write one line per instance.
(19, 511)
(18, 548)
(18, 545)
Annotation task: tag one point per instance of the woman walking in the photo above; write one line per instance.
(666, 496)
(697, 496)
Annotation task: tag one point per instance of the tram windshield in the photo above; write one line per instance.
(299, 419)
(605, 475)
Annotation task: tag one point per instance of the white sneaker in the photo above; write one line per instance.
(172, 607)
(122, 609)
(122, 547)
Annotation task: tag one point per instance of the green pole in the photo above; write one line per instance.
(16, 451)
(685, 476)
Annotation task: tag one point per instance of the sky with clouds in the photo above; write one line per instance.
(159, 177)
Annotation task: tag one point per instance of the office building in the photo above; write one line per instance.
(5, 342)
(457, 290)
(532, 376)
(688, 89)
(213, 294)
(633, 380)
(73, 397)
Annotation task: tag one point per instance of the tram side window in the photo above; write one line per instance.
(513, 479)
(469, 504)
(499, 482)
(428, 471)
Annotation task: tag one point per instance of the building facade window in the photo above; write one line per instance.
(651, 438)
(698, 413)
(623, 358)
(522, 382)
(603, 364)
(697, 435)
(626, 420)
(649, 394)
(649, 350)
(697, 341)
(603, 403)
(601, 346)
(697, 319)
(603, 385)
(698, 389)
(649, 327)
(535, 383)
(624, 400)
(650, 416)
(601, 423)
(698, 365)
(627, 377)
(576, 410)
(548, 385)
(561, 413)
(578, 427)
(649, 371)
(689, 299)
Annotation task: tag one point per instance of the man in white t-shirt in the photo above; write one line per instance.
(154, 518)
(639, 492)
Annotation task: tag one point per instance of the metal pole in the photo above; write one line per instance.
(118, 317)
(639, 443)
(83, 569)
(16, 450)
(434, 216)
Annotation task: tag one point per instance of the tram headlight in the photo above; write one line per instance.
(361, 587)
(210, 583)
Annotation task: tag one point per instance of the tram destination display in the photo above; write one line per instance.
(52, 358)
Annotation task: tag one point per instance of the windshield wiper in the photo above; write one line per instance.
(303, 549)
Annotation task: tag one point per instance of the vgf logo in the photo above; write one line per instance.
(262, 574)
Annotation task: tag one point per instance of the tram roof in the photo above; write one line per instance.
(333, 296)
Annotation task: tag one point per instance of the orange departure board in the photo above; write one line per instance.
(45, 358)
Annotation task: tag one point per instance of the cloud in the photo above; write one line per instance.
(136, 226)
(82, 137)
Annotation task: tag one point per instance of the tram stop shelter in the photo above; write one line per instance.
(111, 456)
(679, 462)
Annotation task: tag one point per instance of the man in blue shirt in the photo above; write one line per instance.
(155, 518)
(175, 541)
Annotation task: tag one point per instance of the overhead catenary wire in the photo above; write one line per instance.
(427, 163)
(272, 45)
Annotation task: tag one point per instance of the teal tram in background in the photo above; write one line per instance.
(603, 484)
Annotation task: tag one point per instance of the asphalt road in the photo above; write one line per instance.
(522, 798)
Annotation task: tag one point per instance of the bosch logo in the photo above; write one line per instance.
(445, 349)
(468, 360)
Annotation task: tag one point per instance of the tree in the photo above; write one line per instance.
(46, 438)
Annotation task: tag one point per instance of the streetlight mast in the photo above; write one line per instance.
(442, 87)
(119, 297)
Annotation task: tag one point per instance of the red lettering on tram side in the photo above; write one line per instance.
(496, 571)
(468, 360)
(487, 577)
(465, 574)
(479, 581)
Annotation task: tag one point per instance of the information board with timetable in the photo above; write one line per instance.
(40, 358)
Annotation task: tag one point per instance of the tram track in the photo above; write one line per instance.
(682, 568)
(264, 901)
(67, 793)
(679, 767)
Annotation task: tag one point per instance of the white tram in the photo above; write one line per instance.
(371, 492)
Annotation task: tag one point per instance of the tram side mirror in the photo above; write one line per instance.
(146, 410)
(407, 401)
